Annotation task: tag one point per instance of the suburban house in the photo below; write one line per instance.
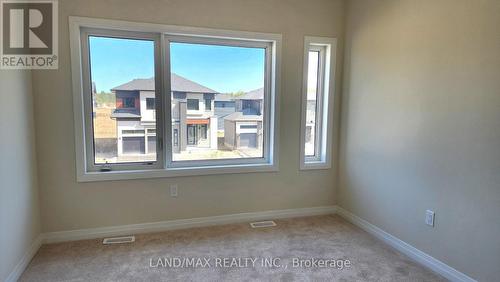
(194, 124)
(243, 128)
(224, 105)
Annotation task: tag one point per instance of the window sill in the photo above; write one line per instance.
(310, 165)
(174, 172)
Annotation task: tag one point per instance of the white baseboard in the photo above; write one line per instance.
(93, 233)
(426, 260)
(25, 260)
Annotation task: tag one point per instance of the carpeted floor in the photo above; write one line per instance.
(209, 254)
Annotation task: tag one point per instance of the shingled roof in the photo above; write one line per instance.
(224, 98)
(178, 84)
(257, 94)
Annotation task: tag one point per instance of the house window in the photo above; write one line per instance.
(115, 137)
(193, 104)
(150, 103)
(251, 107)
(248, 126)
(125, 59)
(176, 137)
(224, 104)
(316, 137)
(128, 102)
(224, 144)
(133, 131)
(208, 105)
(192, 135)
(313, 102)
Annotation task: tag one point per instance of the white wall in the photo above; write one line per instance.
(68, 205)
(201, 104)
(19, 210)
(421, 126)
(212, 131)
(146, 115)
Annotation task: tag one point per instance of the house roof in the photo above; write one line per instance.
(125, 113)
(224, 97)
(178, 84)
(257, 94)
(239, 116)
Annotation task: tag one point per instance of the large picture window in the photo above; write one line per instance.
(208, 69)
(117, 138)
(150, 101)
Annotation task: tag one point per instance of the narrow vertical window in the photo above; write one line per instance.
(313, 104)
(316, 104)
(150, 103)
(208, 105)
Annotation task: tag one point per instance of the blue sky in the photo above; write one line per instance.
(222, 68)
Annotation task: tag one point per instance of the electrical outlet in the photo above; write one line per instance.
(429, 218)
(173, 191)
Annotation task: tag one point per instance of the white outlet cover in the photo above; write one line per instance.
(173, 190)
(429, 218)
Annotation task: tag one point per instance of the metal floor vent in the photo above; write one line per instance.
(259, 224)
(118, 240)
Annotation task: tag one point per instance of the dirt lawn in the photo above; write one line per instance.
(104, 125)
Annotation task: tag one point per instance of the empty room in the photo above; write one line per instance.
(250, 140)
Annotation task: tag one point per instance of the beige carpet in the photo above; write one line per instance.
(211, 249)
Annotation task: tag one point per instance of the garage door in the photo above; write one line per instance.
(151, 144)
(248, 140)
(133, 145)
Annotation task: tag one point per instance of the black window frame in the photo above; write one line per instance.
(128, 99)
(208, 104)
(150, 106)
(197, 104)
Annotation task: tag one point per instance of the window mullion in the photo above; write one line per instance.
(167, 100)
